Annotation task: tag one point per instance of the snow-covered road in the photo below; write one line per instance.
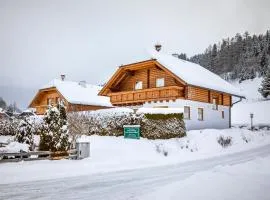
(129, 184)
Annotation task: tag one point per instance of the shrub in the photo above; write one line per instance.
(25, 132)
(224, 141)
(110, 122)
(54, 135)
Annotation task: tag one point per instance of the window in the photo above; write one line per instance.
(215, 103)
(222, 114)
(49, 101)
(200, 114)
(160, 82)
(57, 100)
(186, 112)
(138, 85)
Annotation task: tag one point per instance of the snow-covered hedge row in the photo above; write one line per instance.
(109, 122)
(12, 126)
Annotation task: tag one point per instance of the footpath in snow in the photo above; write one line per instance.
(117, 153)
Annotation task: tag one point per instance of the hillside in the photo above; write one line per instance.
(254, 103)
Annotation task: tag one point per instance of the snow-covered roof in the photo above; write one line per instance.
(76, 93)
(194, 74)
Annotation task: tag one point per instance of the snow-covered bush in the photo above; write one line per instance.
(109, 122)
(25, 132)
(9, 127)
(163, 126)
(224, 141)
(54, 134)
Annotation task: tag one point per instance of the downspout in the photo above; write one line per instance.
(230, 112)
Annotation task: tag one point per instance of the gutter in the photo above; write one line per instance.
(230, 113)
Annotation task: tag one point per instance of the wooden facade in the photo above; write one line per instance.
(51, 96)
(122, 92)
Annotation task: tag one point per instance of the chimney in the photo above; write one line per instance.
(63, 76)
(82, 83)
(158, 47)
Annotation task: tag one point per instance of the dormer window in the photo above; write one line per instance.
(160, 82)
(138, 85)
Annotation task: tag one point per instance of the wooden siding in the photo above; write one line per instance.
(227, 100)
(198, 94)
(40, 102)
(148, 76)
(206, 96)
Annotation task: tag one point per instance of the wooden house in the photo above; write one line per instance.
(77, 96)
(168, 82)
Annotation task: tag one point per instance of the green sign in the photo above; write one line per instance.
(132, 131)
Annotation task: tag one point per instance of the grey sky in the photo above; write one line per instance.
(87, 40)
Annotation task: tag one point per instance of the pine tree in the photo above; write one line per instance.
(54, 136)
(265, 86)
(25, 132)
(2, 103)
(264, 64)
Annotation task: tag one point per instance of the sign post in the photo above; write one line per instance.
(132, 131)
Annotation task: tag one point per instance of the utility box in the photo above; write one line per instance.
(132, 131)
(83, 150)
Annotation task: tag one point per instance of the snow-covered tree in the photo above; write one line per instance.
(265, 86)
(54, 136)
(25, 132)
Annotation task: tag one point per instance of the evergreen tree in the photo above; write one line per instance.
(25, 132)
(54, 136)
(264, 64)
(3, 104)
(265, 86)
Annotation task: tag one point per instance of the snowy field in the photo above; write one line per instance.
(117, 153)
(253, 104)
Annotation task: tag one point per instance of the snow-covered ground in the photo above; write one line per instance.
(254, 103)
(248, 180)
(242, 175)
(117, 153)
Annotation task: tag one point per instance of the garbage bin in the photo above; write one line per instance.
(83, 150)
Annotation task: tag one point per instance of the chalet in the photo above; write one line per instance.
(165, 81)
(77, 96)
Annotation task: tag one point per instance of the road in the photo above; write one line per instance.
(129, 184)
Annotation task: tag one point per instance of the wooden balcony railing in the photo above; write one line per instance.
(144, 95)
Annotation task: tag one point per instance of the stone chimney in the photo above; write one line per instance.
(158, 47)
(63, 77)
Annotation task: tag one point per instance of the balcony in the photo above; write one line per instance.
(144, 95)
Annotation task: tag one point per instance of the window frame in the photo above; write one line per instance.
(157, 81)
(215, 105)
(222, 114)
(136, 82)
(187, 118)
(202, 114)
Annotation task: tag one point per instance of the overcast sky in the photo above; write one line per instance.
(87, 40)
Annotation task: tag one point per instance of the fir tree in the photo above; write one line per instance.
(264, 64)
(54, 136)
(25, 132)
(265, 86)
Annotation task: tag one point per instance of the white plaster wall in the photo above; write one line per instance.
(212, 118)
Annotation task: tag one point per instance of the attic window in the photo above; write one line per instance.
(160, 82)
(138, 85)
